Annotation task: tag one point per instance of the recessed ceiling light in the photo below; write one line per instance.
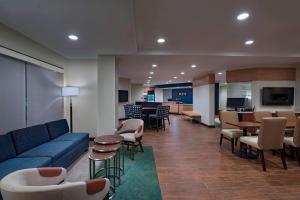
(161, 40)
(189, 81)
(242, 16)
(154, 65)
(193, 66)
(151, 72)
(220, 73)
(73, 37)
(170, 81)
(175, 77)
(150, 77)
(181, 73)
(249, 42)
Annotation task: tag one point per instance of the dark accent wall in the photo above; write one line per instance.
(185, 95)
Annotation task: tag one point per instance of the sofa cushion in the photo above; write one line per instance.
(15, 164)
(6, 147)
(52, 149)
(74, 137)
(57, 128)
(30, 137)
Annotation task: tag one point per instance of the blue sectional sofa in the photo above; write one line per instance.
(45, 145)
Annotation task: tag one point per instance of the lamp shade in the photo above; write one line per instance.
(70, 91)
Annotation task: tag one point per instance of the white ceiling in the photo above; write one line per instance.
(202, 32)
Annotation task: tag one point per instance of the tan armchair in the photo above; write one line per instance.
(228, 131)
(270, 137)
(132, 130)
(291, 117)
(260, 115)
(294, 142)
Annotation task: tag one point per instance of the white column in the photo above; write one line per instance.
(107, 94)
(297, 99)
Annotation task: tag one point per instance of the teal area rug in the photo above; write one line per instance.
(140, 181)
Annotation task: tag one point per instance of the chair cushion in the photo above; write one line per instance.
(57, 128)
(30, 137)
(15, 164)
(250, 140)
(129, 137)
(74, 137)
(289, 141)
(50, 149)
(7, 147)
(232, 133)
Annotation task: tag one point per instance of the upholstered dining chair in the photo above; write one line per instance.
(270, 137)
(260, 115)
(294, 142)
(159, 117)
(136, 111)
(132, 130)
(47, 184)
(291, 117)
(229, 132)
(127, 109)
(167, 113)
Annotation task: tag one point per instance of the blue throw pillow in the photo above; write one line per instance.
(7, 148)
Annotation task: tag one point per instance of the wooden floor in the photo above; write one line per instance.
(191, 165)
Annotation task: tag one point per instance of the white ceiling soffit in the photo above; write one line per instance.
(103, 26)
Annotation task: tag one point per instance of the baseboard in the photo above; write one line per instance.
(209, 126)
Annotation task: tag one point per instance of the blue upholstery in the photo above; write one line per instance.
(71, 155)
(6, 147)
(54, 150)
(74, 137)
(15, 164)
(30, 137)
(57, 128)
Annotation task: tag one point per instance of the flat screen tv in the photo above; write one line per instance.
(123, 96)
(278, 96)
(235, 102)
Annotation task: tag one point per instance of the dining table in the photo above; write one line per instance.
(245, 125)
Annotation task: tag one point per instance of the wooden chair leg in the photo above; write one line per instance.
(132, 151)
(163, 121)
(241, 149)
(283, 159)
(141, 146)
(262, 156)
(157, 127)
(169, 121)
(221, 139)
(298, 155)
(236, 141)
(232, 145)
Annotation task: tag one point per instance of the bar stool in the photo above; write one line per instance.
(104, 157)
(113, 139)
(106, 148)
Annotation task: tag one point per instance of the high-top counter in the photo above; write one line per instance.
(178, 108)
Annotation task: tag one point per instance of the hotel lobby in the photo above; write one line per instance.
(149, 100)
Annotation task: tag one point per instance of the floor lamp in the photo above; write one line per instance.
(70, 91)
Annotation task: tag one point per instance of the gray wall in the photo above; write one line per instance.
(12, 99)
(44, 98)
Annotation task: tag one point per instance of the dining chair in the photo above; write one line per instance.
(291, 117)
(229, 132)
(167, 113)
(259, 116)
(127, 109)
(159, 117)
(294, 142)
(270, 137)
(136, 112)
(132, 130)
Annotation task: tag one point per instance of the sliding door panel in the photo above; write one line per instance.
(12, 94)
(44, 98)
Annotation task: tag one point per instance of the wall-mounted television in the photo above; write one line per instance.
(235, 102)
(123, 95)
(278, 96)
